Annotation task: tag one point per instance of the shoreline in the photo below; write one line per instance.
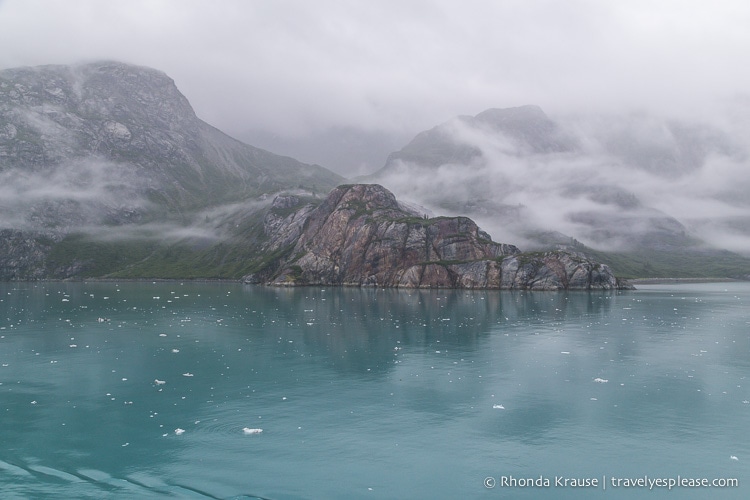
(665, 281)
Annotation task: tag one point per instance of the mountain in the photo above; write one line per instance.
(527, 128)
(583, 183)
(103, 162)
(360, 235)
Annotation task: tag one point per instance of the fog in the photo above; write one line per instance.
(655, 95)
(72, 194)
(624, 181)
(290, 75)
(106, 201)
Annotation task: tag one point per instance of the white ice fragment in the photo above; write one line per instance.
(179, 431)
(248, 431)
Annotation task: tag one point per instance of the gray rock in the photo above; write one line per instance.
(360, 236)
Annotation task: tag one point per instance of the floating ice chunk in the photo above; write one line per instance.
(498, 407)
(159, 382)
(248, 431)
(601, 380)
(188, 374)
(179, 431)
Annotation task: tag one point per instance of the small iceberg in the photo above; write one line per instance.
(248, 431)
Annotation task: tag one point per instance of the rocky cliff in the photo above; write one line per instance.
(360, 235)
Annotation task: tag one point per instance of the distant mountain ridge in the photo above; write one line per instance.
(88, 148)
(528, 127)
(134, 117)
(543, 184)
(106, 171)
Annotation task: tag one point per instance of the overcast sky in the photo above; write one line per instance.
(293, 72)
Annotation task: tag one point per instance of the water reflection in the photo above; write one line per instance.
(371, 383)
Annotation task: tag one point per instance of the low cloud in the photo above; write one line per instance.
(637, 176)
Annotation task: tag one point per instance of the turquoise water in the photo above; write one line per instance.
(141, 390)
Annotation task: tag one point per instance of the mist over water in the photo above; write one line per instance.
(220, 390)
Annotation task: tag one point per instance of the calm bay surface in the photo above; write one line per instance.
(206, 390)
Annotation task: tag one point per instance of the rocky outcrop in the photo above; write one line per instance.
(361, 236)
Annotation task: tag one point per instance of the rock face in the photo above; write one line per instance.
(106, 148)
(361, 236)
(134, 122)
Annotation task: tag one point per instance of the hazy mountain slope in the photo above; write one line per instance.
(630, 184)
(86, 148)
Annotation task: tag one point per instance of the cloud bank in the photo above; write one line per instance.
(290, 71)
